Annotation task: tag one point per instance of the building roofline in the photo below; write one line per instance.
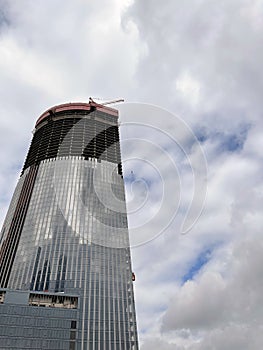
(73, 106)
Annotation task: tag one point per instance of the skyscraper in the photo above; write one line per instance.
(65, 268)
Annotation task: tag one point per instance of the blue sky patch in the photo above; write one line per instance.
(4, 21)
(227, 141)
(199, 262)
(201, 134)
(233, 142)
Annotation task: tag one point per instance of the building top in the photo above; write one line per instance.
(74, 106)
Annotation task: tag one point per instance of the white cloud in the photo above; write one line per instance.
(201, 60)
(188, 87)
(218, 47)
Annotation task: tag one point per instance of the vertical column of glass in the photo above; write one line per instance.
(11, 210)
(7, 223)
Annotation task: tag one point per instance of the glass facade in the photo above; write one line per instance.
(65, 239)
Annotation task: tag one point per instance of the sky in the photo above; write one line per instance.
(191, 138)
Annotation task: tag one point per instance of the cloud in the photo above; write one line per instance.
(159, 344)
(204, 52)
(229, 338)
(232, 338)
(221, 308)
(214, 68)
(217, 300)
(202, 60)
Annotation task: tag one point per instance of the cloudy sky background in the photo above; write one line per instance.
(198, 62)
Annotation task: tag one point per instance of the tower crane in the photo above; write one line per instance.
(106, 103)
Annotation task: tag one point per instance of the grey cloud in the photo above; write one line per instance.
(216, 302)
(201, 59)
(216, 45)
(225, 338)
(232, 338)
(157, 344)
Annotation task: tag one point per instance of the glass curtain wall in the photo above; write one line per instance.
(66, 229)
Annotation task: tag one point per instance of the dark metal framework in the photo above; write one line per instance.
(94, 140)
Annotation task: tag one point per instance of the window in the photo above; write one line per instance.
(73, 324)
(72, 335)
(72, 345)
